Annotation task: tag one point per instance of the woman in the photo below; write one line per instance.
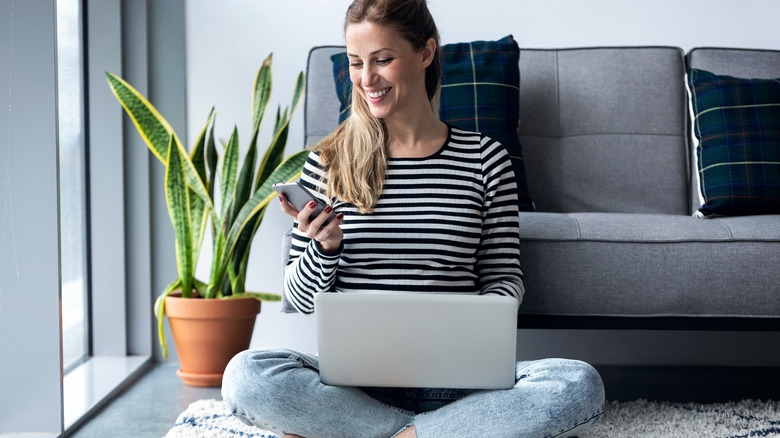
(421, 207)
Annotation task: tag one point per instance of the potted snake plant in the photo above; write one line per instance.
(201, 187)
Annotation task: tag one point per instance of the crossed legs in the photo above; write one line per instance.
(280, 390)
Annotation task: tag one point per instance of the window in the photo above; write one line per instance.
(72, 186)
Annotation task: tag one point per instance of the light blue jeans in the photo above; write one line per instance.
(280, 390)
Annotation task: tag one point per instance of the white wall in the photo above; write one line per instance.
(227, 41)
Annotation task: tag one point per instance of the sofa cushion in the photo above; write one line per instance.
(737, 125)
(479, 92)
(613, 264)
(605, 129)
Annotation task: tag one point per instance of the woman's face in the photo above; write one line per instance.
(386, 69)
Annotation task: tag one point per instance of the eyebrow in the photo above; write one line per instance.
(372, 53)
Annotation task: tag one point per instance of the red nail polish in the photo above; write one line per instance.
(312, 204)
(328, 209)
(340, 216)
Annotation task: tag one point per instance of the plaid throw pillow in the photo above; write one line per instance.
(737, 123)
(480, 91)
(343, 84)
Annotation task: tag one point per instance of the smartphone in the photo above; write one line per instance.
(298, 196)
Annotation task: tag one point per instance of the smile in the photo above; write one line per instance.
(377, 94)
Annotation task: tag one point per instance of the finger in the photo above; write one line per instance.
(288, 208)
(303, 218)
(319, 221)
(331, 233)
(333, 228)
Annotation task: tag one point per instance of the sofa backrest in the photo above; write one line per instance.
(741, 63)
(605, 129)
(321, 105)
(602, 129)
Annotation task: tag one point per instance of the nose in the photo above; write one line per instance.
(369, 77)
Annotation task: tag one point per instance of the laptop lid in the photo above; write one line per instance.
(408, 340)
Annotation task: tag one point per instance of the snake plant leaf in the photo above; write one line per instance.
(289, 170)
(273, 155)
(212, 157)
(242, 263)
(271, 160)
(198, 154)
(241, 253)
(200, 286)
(232, 278)
(229, 171)
(278, 142)
(241, 256)
(152, 126)
(198, 213)
(278, 119)
(196, 184)
(238, 267)
(156, 132)
(216, 277)
(260, 98)
(297, 92)
(199, 220)
(244, 183)
(262, 296)
(159, 312)
(177, 199)
(262, 92)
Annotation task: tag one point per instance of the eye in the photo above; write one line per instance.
(355, 64)
(384, 61)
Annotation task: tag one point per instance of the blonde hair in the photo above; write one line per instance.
(354, 157)
(354, 154)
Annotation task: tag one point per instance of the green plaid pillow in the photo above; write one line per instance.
(737, 123)
(480, 92)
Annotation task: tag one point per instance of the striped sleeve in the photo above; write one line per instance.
(498, 256)
(309, 269)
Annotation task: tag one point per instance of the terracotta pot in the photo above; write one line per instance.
(208, 333)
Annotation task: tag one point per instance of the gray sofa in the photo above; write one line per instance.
(611, 169)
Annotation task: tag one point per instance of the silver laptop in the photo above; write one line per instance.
(409, 340)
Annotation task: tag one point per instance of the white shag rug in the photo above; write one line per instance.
(636, 419)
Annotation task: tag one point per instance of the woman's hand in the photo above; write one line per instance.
(328, 236)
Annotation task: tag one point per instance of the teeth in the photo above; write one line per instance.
(378, 93)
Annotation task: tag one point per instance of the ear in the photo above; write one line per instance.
(428, 52)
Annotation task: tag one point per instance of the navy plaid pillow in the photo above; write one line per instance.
(737, 123)
(343, 83)
(480, 92)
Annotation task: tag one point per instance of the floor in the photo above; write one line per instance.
(149, 407)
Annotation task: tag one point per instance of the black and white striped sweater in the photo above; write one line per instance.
(446, 223)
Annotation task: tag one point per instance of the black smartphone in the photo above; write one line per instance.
(298, 196)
